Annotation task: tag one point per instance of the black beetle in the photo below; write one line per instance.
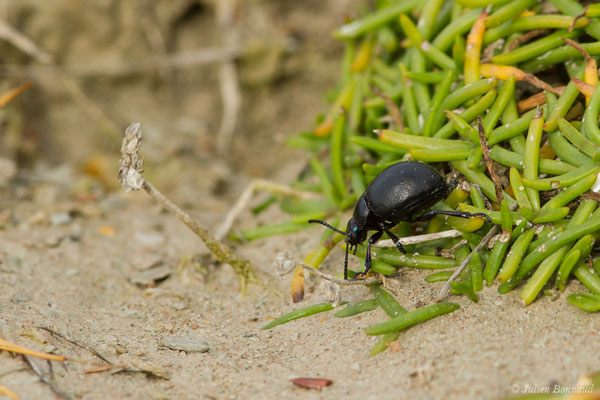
(396, 194)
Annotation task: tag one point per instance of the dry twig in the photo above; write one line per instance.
(525, 38)
(246, 196)
(36, 369)
(228, 77)
(577, 18)
(492, 232)
(488, 161)
(588, 59)
(344, 282)
(180, 60)
(535, 81)
(130, 176)
(452, 233)
(154, 36)
(83, 346)
(22, 42)
(392, 107)
(137, 367)
(495, 229)
(488, 203)
(13, 348)
(4, 391)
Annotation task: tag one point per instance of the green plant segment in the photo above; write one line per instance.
(400, 319)
(415, 79)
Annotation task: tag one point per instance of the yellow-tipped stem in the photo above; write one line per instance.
(363, 56)
(591, 68)
(503, 72)
(343, 100)
(473, 49)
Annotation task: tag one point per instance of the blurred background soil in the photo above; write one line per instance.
(101, 65)
(115, 272)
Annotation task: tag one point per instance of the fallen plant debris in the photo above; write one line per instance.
(26, 354)
(76, 343)
(130, 176)
(312, 383)
(44, 378)
(13, 348)
(4, 391)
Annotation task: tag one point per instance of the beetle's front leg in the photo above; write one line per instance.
(395, 239)
(372, 240)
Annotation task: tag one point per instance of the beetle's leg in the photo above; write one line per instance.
(372, 240)
(386, 229)
(346, 261)
(461, 214)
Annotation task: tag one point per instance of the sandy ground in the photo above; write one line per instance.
(76, 254)
(77, 278)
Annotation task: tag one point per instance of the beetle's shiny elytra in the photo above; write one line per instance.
(398, 193)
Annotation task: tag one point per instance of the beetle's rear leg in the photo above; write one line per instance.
(386, 229)
(372, 240)
(461, 214)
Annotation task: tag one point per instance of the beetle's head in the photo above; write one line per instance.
(355, 234)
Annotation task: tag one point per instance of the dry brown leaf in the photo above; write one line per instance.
(585, 88)
(106, 230)
(298, 285)
(532, 102)
(312, 383)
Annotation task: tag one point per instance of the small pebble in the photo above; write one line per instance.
(71, 272)
(53, 240)
(146, 261)
(150, 238)
(155, 370)
(21, 297)
(8, 169)
(76, 232)
(60, 218)
(190, 345)
(49, 348)
(150, 276)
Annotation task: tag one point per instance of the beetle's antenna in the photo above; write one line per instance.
(318, 221)
(346, 263)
